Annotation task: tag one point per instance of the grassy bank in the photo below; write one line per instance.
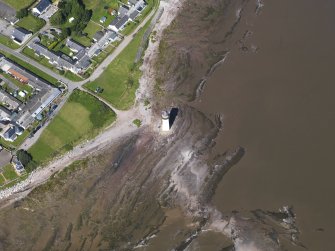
(81, 118)
(8, 42)
(120, 80)
(19, 4)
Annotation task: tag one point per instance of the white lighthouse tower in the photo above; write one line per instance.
(165, 121)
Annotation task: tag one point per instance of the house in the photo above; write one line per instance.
(97, 36)
(123, 10)
(20, 35)
(74, 46)
(18, 166)
(10, 134)
(119, 24)
(5, 114)
(103, 19)
(132, 2)
(9, 101)
(41, 7)
(18, 76)
(133, 15)
(102, 39)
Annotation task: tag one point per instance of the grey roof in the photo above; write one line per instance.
(133, 2)
(115, 21)
(53, 57)
(6, 98)
(123, 10)
(10, 133)
(4, 113)
(133, 15)
(42, 5)
(122, 22)
(74, 46)
(20, 34)
(98, 35)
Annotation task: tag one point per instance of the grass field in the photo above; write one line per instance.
(9, 172)
(91, 29)
(82, 117)
(31, 68)
(100, 9)
(19, 4)
(8, 42)
(31, 23)
(120, 79)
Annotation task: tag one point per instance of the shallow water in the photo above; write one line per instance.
(278, 103)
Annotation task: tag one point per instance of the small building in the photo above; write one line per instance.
(18, 166)
(18, 76)
(10, 134)
(133, 15)
(41, 7)
(165, 121)
(132, 2)
(71, 19)
(119, 24)
(74, 46)
(123, 10)
(20, 35)
(5, 114)
(103, 19)
(98, 35)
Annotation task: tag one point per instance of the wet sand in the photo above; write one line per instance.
(279, 104)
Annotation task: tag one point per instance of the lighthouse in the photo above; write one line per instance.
(165, 121)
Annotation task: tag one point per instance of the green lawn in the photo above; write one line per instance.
(9, 172)
(83, 40)
(100, 9)
(74, 77)
(82, 117)
(31, 68)
(19, 4)
(91, 29)
(8, 42)
(31, 23)
(120, 79)
(2, 180)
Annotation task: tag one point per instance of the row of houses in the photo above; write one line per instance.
(16, 116)
(127, 13)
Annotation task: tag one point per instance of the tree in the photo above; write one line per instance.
(24, 157)
(22, 13)
(58, 18)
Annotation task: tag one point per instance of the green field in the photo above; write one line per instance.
(91, 29)
(31, 23)
(19, 4)
(120, 79)
(81, 118)
(8, 42)
(9, 172)
(100, 9)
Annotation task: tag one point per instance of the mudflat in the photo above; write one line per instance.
(278, 104)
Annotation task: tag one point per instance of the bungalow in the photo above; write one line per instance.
(18, 76)
(10, 134)
(41, 7)
(133, 15)
(20, 35)
(18, 166)
(118, 24)
(102, 39)
(74, 46)
(5, 114)
(123, 10)
(132, 2)
(9, 101)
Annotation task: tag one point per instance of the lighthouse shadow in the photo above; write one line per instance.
(173, 115)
